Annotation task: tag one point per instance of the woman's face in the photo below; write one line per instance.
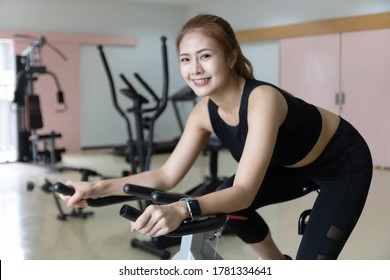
(203, 64)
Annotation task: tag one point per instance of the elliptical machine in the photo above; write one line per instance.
(141, 147)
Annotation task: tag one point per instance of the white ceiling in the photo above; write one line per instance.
(178, 2)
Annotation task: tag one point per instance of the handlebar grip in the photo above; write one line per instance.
(129, 212)
(62, 189)
(139, 191)
(161, 197)
(209, 224)
(98, 202)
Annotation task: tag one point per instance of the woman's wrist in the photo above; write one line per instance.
(98, 189)
(183, 210)
(193, 209)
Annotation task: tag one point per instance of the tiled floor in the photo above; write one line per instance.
(29, 228)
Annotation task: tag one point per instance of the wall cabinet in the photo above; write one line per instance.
(356, 65)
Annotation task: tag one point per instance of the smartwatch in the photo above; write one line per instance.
(193, 209)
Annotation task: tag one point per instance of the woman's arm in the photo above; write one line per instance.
(164, 178)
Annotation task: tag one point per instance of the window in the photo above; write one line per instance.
(8, 116)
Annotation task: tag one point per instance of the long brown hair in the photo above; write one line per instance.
(219, 29)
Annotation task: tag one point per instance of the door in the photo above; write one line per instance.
(310, 69)
(357, 64)
(365, 79)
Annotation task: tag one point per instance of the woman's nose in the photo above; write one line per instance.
(196, 68)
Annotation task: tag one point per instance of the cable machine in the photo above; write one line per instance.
(29, 116)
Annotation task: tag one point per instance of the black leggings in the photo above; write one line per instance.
(342, 174)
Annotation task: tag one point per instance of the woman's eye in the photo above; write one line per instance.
(205, 56)
(184, 59)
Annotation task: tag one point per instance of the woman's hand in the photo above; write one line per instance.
(83, 191)
(159, 220)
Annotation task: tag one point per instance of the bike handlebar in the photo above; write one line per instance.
(98, 202)
(208, 224)
(161, 197)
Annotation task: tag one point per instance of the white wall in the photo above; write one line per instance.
(148, 22)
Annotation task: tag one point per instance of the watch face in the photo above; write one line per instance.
(195, 208)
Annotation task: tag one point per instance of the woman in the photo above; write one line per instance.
(281, 144)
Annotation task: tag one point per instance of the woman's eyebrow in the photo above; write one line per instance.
(197, 52)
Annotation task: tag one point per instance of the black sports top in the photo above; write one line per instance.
(296, 137)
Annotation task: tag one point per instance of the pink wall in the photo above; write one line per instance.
(366, 83)
(356, 63)
(68, 74)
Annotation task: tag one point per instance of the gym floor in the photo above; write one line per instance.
(30, 229)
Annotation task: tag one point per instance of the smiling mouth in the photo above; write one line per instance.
(200, 82)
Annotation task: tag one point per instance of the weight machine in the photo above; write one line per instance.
(29, 116)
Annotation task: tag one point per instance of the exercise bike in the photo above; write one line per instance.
(195, 236)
